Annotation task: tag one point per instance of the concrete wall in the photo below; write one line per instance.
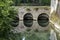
(22, 10)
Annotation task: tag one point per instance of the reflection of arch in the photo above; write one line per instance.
(43, 20)
(28, 19)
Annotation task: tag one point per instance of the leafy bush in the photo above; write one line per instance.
(7, 15)
(45, 2)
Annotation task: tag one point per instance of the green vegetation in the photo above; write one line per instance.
(31, 35)
(32, 2)
(45, 2)
(7, 15)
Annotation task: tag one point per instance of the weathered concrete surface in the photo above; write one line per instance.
(41, 9)
(22, 10)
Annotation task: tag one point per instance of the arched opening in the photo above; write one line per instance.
(43, 20)
(15, 21)
(28, 19)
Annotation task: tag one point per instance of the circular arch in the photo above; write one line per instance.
(15, 21)
(43, 19)
(28, 19)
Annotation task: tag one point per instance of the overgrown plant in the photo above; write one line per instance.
(7, 15)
